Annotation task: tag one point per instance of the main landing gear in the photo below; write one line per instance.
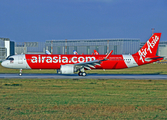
(82, 73)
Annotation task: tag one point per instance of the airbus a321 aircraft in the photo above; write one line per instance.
(69, 64)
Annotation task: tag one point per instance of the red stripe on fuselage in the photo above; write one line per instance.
(55, 61)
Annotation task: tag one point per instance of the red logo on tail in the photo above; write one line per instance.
(150, 48)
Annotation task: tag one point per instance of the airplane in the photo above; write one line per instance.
(75, 52)
(70, 64)
(47, 52)
(96, 53)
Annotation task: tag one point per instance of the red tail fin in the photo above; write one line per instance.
(95, 52)
(150, 47)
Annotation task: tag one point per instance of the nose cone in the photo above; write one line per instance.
(4, 64)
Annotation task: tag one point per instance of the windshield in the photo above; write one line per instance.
(9, 58)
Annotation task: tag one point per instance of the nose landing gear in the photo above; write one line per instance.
(20, 72)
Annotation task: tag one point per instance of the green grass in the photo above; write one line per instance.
(82, 99)
(145, 69)
(85, 99)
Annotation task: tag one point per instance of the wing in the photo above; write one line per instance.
(90, 64)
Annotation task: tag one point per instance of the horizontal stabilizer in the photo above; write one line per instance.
(153, 58)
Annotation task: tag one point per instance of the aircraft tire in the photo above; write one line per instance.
(82, 74)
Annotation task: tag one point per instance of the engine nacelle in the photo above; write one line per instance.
(67, 69)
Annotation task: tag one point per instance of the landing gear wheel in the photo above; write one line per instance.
(82, 74)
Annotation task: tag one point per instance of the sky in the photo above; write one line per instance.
(41, 20)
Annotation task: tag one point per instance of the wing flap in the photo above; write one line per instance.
(91, 64)
(87, 67)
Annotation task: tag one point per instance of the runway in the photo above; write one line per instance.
(89, 76)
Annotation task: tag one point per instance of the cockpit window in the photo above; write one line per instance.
(9, 58)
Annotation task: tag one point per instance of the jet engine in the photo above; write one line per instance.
(67, 69)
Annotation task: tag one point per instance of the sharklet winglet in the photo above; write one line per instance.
(108, 54)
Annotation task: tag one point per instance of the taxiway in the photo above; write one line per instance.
(89, 76)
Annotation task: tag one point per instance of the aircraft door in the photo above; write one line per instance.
(20, 60)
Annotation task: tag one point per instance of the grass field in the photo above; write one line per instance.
(82, 99)
(145, 69)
